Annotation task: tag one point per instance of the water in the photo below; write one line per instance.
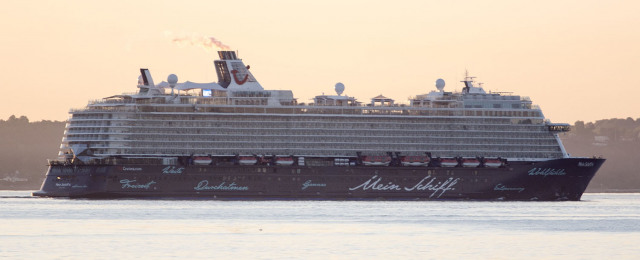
(602, 226)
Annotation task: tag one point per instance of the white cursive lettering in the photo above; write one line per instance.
(427, 183)
(124, 168)
(373, 184)
(546, 171)
(130, 184)
(204, 185)
(308, 184)
(440, 187)
(172, 170)
(501, 187)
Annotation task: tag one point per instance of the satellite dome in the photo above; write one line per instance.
(440, 84)
(172, 79)
(140, 81)
(339, 88)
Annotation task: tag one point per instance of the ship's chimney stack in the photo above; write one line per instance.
(146, 77)
(232, 73)
(227, 55)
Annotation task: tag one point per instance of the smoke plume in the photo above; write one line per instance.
(208, 43)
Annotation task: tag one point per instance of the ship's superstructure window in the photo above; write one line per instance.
(314, 133)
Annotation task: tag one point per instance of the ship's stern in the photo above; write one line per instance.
(73, 181)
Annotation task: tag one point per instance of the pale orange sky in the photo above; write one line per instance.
(578, 60)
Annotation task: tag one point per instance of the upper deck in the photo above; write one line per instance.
(237, 116)
(238, 91)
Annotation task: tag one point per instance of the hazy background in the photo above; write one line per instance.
(579, 60)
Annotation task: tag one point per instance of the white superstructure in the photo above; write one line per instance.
(236, 116)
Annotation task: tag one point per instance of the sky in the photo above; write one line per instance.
(578, 60)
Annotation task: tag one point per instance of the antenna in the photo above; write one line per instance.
(172, 79)
(468, 82)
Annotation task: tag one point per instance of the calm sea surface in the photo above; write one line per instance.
(602, 226)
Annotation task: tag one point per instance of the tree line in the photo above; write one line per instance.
(618, 141)
(25, 147)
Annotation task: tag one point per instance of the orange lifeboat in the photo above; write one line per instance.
(492, 163)
(201, 160)
(376, 160)
(247, 160)
(415, 161)
(448, 162)
(286, 161)
(470, 162)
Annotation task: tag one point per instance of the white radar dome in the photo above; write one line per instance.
(440, 84)
(339, 88)
(172, 79)
(140, 81)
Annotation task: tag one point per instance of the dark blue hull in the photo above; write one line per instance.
(560, 179)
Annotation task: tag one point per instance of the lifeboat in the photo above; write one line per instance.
(492, 163)
(376, 160)
(286, 161)
(247, 160)
(448, 162)
(201, 160)
(415, 161)
(470, 162)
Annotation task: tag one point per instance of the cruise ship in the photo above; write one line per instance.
(232, 139)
